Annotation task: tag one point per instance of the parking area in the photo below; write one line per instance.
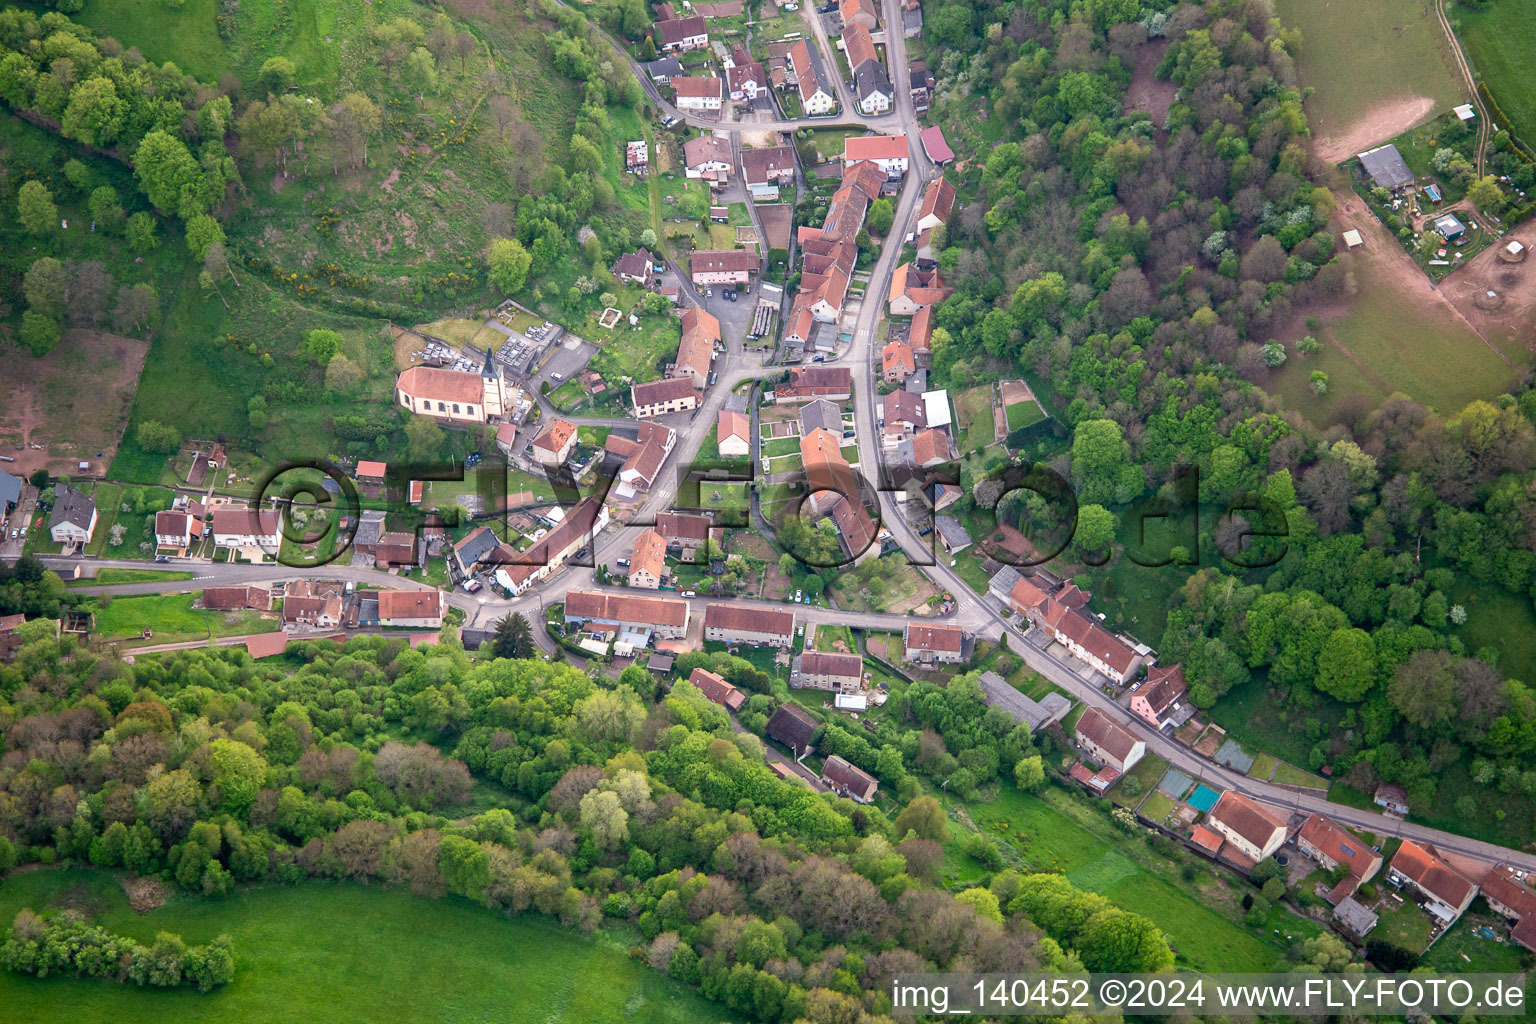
(565, 361)
(12, 542)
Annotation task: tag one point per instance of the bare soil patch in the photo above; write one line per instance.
(777, 219)
(74, 401)
(144, 894)
(1016, 391)
(1382, 122)
(1511, 311)
(1146, 93)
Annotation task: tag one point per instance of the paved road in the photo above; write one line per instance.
(972, 611)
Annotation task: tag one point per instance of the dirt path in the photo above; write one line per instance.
(1466, 74)
(1377, 125)
(999, 417)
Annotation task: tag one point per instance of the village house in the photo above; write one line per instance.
(920, 84)
(1332, 845)
(229, 599)
(663, 70)
(698, 93)
(912, 289)
(808, 382)
(685, 533)
(794, 727)
(370, 473)
(451, 395)
(573, 533)
(1446, 892)
(897, 362)
(733, 434)
(680, 34)
(1088, 641)
(723, 266)
(629, 617)
(643, 457)
(473, 551)
(1107, 742)
(901, 415)
(634, 267)
(770, 167)
(247, 528)
(820, 670)
(938, 203)
(312, 604)
(848, 781)
(707, 157)
(953, 536)
(924, 449)
(660, 397)
(1161, 697)
(1510, 897)
(746, 81)
(753, 625)
(637, 157)
(414, 609)
(648, 561)
(1252, 830)
(396, 549)
(696, 350)
(810, 79)
(935, 644)
(552, 447)
(860, 12)
(717, 689)
(175, 529)
(888, 152)
(73, 519)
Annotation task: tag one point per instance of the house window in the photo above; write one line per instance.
(441, 407)
(455, 407)
(405, 400)
(469, 409)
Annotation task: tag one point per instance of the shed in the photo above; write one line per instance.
(1386, 166)
(851, 702)
(1353, 239)
(1465, 111)
(1449, 227)
(1354, 917)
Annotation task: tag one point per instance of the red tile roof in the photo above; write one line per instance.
(733, 424)
(649, 555)
(1341, 845)
(410, 604)
(874, 147)
(1422, 865)
(744, 618)
(933, 142)
(717, 689)
(371, 469)
(934, 638)
(1246, 818)
(1206, 839)
(628, 608)
(442, 385)
(858, 44)
(831, 664)
(553, 437)
(847, 777)
(938, 198)
(1096, 727)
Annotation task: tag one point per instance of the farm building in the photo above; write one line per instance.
(1386, 167)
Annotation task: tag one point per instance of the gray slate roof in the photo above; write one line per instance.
(954, 534)
(1354, 916)
(1386, 166)
(1035, 714)
(666, 67)
(870, 77)
(10, 489)
(824, 414)
(71, 506)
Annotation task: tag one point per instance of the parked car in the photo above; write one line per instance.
(689, 593)
(818, 359)
(556, 376)
(470, 586)
(162, 558)
(797, 595)
(622, 563)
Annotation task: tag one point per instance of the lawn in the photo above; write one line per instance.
(106, 576)
(1263, 766)
(1461, 950)
(1406, 926)
(638, 353)
(779, 446)
(1497, 619)
(187, 34)
(1353, 80)
(1024, 414)
(975, 409)
(1157, 807)
(1146, 772)
(1396, 345)
(1498, 40)
(347, 953)
(1061, 832)
(172, 619)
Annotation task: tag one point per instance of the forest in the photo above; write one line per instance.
(1148, 277)
(529, 788)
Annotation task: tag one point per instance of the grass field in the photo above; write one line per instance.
(779, 446)
(188, 34)
(1497, 619)
(1406, 926)
(1462, 950)
(106, 576)
(975, 410)
(1402, 346)
(1024, 414)
(345, 953)
(1412, 60)
(1498, 40)
(173, 619)
(1056, 831)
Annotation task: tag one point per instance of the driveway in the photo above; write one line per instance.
(567, 359)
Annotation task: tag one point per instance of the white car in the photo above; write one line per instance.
(556, 376)
(689, 593)
(797, 596)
